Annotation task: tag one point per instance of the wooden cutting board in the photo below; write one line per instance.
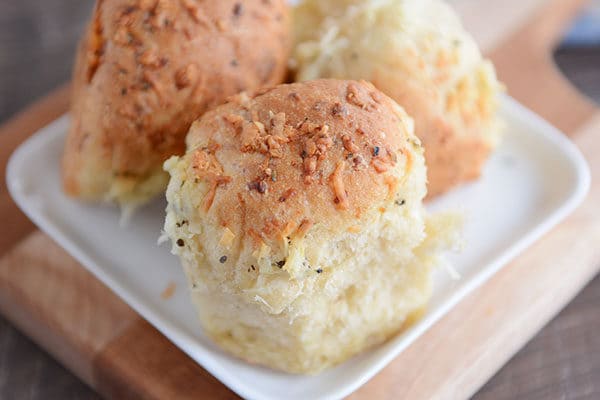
(83, 324)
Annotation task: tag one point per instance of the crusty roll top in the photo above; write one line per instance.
(273, 163)
(147, 69)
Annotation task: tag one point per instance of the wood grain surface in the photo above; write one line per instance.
(560, 362)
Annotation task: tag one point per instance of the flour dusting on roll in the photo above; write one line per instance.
(297, 215)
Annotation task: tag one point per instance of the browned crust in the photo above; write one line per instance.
(353, 148)
(147, 68)
(454, 152)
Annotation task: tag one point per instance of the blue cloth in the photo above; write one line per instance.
(586, 29)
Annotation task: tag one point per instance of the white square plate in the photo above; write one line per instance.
(534, 179)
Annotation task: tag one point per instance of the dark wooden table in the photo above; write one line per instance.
(37, 41)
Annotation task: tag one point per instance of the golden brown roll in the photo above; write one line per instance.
(145, 70)
(418, 53)
(297, 215)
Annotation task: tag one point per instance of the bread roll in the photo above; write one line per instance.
(418, 53)
(297, 215)
(145, 70)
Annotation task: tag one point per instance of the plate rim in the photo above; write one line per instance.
(189, 345)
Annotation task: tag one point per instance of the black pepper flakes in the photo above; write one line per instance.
(376, 151)
(338, 110)
(180, 242)
(400, 202)
(223, 259)
(281, 263)
(299, 124)
(238, 10)
(319, 270)
(262, 187)
(253, 267)
(259, 186)
(287, 194)
(123, 91)
(234, 63)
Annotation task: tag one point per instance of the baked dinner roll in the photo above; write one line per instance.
(418, 53)
(145, 70)
(297, 215)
